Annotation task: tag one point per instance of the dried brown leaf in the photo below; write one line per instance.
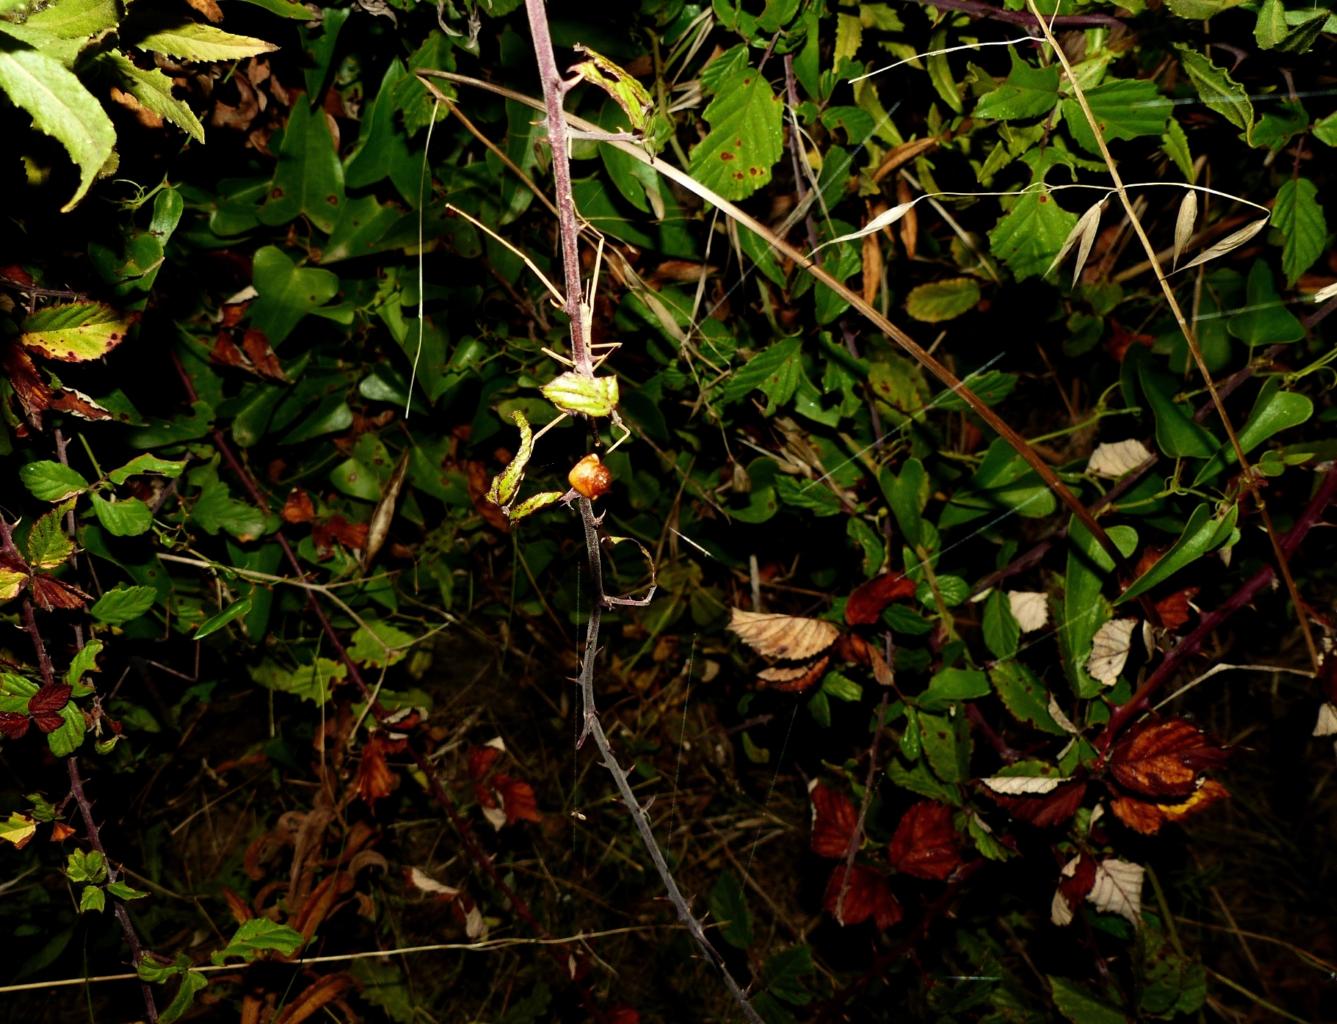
(782, 636)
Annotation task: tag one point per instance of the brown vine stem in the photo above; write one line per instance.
(1323, 496)
(554, 90)
(809, 266)
(979, 9)
(1249, 481)
(47, 671)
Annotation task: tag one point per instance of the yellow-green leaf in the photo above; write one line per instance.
(75, 332)
(193, 41)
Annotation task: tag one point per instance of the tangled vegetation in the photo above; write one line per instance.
(670, 511)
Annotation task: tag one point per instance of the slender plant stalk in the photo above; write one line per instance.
(554, 90)
(907, 343)
(1250, 482)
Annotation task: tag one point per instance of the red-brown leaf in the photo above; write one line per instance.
(517, 799)
(351, 535)
(49, 699)
(926, 844)
(1147, 818)
(833, 822)
(793, 678)
(13, 725)
(1075, 886)
(375, 779)
(262, 357)
(51, 593)
(1043, 811)
(866, 895)
(481, 760)
(1163, 759)
(1174, 610)
(867, 601)
(33, 393)
(299, 508)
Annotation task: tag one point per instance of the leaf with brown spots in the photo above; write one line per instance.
(75, 332)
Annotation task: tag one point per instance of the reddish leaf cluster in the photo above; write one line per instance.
(492, 788)
(924, 845)
(326, 532)
(1158, 768)
(375, 778)
(1043, 810)
(48, 593)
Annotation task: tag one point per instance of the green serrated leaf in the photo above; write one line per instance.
(48, 546)
(1270, 28)
(1024, 696)
(153, 89)
(1218, 90)
(64, 30)
(745, 139)
(1027, 92)
(728, 910)
(51, 481)
(92, 898)
(65, 740)
(1299, 216)
(192, 982)
(123, 603)
(943, 300)
(769, 370)
(191, 40)
(1001, 632)
(1030, 234)
(128, 517)
(74, 332)
(378, 644)
(1124, 110)
(625, 91)
(1080, 1007)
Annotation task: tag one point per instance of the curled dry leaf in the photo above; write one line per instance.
(1325, 293)
(1075, 880)
(1231, 242)
(782, 636)
(926, 844)
(793, 678)
(1116, 458)
(833, 821)
(420, 879)
(1109, 650)
(1046, 809)
(1164, 759)
(379, 527)
(866, 602)
(1061, 719)
(861, 893)
(1117, 889)
(1030, 608)
(1022, 785)
(1184, 222)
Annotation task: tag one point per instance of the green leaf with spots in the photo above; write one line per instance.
(745, 138)
(287, 292)
(75, 332)
(947, 744)
(1029, 236)
(309, 178)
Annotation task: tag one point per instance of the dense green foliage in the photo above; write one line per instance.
(291, 595)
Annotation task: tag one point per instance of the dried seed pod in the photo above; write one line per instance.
(590, 478)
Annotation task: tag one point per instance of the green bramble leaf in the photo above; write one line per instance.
(1124, 109)
(745, 140)
(531, 505)
(50, 481)
(128, 517)
(1031, 233)
(1027, 92)
(1299, 216)
(122, 604)
(574, 392)
(48, 546)
(506, 484)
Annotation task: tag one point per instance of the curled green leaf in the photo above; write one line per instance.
(506, 484)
